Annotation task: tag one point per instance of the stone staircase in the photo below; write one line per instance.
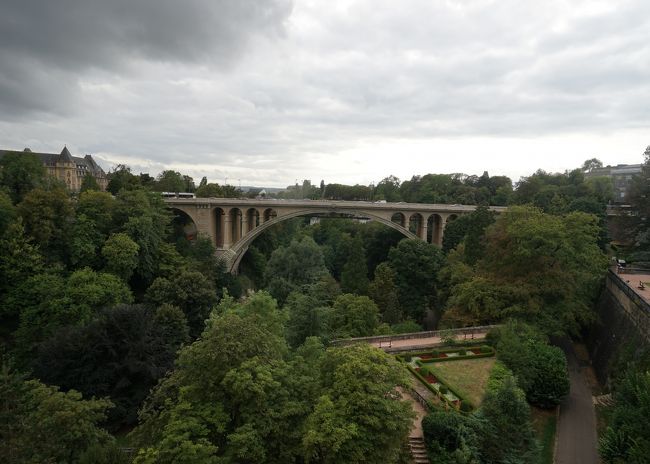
(603, 400)
(418, 451)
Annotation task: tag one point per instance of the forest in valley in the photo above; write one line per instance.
(123, 341)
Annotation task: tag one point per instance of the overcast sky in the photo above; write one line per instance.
(267, 92)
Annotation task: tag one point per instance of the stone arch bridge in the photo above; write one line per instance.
(233, 223)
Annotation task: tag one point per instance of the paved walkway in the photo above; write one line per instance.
(576, 432)
(416, 428)
(424, 342)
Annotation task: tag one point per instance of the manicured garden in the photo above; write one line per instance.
(461, 383)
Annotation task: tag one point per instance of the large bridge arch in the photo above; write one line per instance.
(234, 255)
(190, 226)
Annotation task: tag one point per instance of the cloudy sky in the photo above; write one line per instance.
(265, 92)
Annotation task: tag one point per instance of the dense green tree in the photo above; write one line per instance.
(591, 164)
(20, 173)
(49, 302)
(383, 292)
(306, 318)
(352, 316)
(638, 198)
(508, 434)
(224, 397)
(388, 189)
(19, 260)
(120, 254)
(99, 208)
(89, 183)
(416, 265)
(626, 437)
(144, 217)
(47, 215)
(541, 370)
(96, 362)
(540, 267)
(120, 178)
(85, 243)
(354, 277)
(209, 190)
(40, 424)
(188, 290)
(8, 212)
(451, 438)
(455, 232)
(371, 431)
(170, 181)
(289, 268)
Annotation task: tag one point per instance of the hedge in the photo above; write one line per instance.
(436, 392)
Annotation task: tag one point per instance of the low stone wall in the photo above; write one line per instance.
(415, 335)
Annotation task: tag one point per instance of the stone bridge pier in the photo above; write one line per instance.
(233, 223)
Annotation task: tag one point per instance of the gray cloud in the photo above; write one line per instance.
(199, 84)
(56, 42)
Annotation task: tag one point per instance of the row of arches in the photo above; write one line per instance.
(234, 227)
(232, 224)
(430, 229)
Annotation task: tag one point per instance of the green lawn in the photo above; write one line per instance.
(468, 376)
(544, 423)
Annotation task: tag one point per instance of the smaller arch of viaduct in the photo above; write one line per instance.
(233, 224)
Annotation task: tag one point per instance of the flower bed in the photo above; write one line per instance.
(417, 362)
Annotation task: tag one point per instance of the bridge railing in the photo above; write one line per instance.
(388, 339)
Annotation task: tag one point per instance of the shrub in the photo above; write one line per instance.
(541, 369)
(485, 349)
(443, 390)
(446, 434)
(465, 406)
(435, 353)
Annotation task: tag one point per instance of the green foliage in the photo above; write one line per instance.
(171, 181)
(353, 316)
(92, 360)
(541, 370)
(451, 438)
(48, 302)
(638, 198)
(407, 326)
(383, 292)
(120, 178)
(47, 215)
(416, 265)
(40, 424)
(209, 191)
(20, 173)
(230, 396)
(289, 268)
(559, 193)
(626, 438)
(306, 318)
(19, 260)
(8, 212)
(89, 183)
(121, 255)
(188, 290)
(374, 429)
(354, 277)
(507, 435)
(542, 268)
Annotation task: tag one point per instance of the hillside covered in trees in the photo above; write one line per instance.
(119, 332)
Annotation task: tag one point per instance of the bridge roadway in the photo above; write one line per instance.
(233, 223)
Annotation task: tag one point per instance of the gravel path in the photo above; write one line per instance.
(576, 432)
